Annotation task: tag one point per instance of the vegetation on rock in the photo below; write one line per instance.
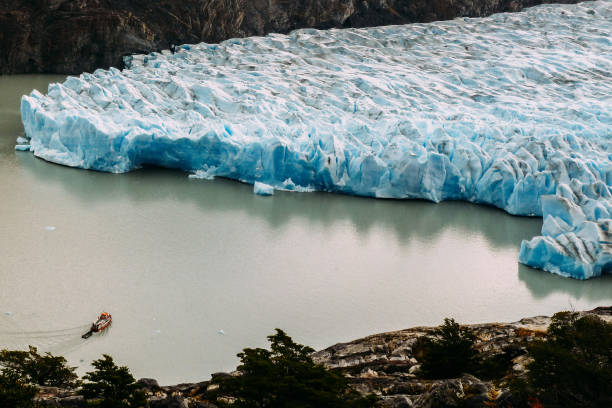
(572, 367)
(14, 391)
(31, 367)
(449, 353)
(19, 370)
(110, 386)
(286, 376)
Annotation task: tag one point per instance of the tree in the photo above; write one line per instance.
(449, 352)
(573, 366)
(286, 376)
(110, 386)
(33, 368)
(14, 391)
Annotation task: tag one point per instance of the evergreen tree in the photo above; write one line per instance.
(286, 377)
(33, 368)
(14, 392)
(449, 352)
(110, 386)
(573, 366)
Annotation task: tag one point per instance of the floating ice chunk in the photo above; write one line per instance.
(207, 174)
(22, 140)
(22, 147)
(509, 110)
(221, 332)
(289, 185)
(8, 313)
(263, 189)
(50, 228)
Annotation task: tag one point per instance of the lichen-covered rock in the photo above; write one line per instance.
(467, 391)
(168, 402)
(396, 401)
(398, 388)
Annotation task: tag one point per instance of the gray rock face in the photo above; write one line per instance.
(386, 365)
(457, 392)
(168, 402)
(396, 401)
(72, 36)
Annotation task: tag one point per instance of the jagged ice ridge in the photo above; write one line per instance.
(513, 110)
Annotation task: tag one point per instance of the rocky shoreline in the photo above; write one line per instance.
(74, 36)
(383, 364)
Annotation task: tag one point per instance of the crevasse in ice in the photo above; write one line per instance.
(513, 110)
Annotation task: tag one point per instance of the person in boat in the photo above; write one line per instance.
(103, 316)
(100, 324)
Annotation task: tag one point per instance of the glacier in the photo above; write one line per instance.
(512, 110)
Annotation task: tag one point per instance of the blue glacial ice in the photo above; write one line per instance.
(513, 110)
(263, 189)
(22, 147)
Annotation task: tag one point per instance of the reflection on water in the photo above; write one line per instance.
(542, 285)
(406, 219)
(175, 260)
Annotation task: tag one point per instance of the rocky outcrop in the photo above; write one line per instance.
(386, 364)
(72, 36)
(383, 364)
(174, 396)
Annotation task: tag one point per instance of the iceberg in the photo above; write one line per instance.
(513, 110)
(263, 189)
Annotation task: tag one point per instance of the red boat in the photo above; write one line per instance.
(102, 323)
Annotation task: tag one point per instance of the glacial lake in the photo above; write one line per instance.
(195, 270)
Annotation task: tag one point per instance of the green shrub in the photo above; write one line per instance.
(15, 392)
(498, 365)
(33, 368)
(286, 376)
(573, 367)
(449, 352)
(110, 386)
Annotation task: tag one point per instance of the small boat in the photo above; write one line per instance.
(102, 323)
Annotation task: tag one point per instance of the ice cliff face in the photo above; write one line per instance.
(513, 110)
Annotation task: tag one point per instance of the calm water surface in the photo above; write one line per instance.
(177, 261)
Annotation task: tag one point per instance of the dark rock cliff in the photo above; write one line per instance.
(72, 36)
